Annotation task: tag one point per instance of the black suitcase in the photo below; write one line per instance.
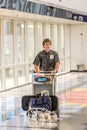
(54, 99)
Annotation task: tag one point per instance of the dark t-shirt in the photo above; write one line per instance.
(46, 61)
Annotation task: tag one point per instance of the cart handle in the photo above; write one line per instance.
(45, 72)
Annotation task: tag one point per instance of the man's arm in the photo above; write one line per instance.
(56, 67)
(36, 63)
(36, 68)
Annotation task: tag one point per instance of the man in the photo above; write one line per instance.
(47, 59)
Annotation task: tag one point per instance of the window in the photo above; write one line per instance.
(47, 31)
(62, 48)
(8, 41)
(38, 37)
(31, 38)
(30, 42)
(67, 51)
(21, 75)
(0, 45)
(9, 77)
(55, 37)
(20, 42)
(0, 79)
(62, 45)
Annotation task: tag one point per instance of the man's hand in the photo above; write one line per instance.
(38, 71)
(53, 71)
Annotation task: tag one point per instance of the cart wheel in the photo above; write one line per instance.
(58, 113)
(27, 113)
(55, 105)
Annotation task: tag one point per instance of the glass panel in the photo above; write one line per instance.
(0, 109)
(67, 64)
(21, 75)
(0, 79)
(30, 42)
(67, 39)
(0, 45)
(62, 65)
(9, 77)
(48, 31)
(30, 47)
(62, 47)
(55, 37)
(30, 72)
(0, 56)
(8, 41)
(20, 42)
(39, 38)
(67, 53)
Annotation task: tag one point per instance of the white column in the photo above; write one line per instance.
(26, 53)
(15, 54)
(3, 56)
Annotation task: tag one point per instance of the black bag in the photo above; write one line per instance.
(41, 102)
(54, 100)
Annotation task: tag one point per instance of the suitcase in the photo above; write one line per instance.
(54, 99)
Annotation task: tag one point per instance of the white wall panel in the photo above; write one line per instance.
(78, 45)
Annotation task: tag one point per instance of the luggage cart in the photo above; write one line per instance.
(40, 82)
(44, 81)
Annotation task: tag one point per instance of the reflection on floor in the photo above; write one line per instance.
(71, 89)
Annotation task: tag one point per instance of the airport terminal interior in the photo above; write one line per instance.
(23, 26)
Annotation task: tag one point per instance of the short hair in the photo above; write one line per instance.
(46, 40)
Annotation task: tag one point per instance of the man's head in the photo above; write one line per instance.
(47, 44)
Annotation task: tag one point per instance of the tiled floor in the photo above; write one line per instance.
(71, 89)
